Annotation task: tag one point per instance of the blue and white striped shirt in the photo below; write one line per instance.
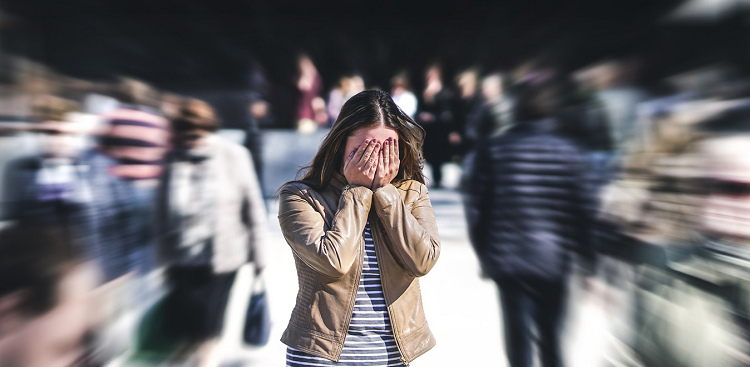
(369, 340)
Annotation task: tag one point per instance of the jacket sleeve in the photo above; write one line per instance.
(478, 191)
(584, 212)
(330, 252)
(413, 233)
(254, 211)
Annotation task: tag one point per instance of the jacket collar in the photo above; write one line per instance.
(338, 181)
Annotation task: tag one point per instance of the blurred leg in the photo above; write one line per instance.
(516, 309)
(550, 300)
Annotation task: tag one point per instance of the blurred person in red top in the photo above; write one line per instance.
(311, 111)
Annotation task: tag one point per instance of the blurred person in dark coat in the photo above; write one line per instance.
(436, 117)
(529, 210)
(466, 105)
(211, 221)
(117, 224)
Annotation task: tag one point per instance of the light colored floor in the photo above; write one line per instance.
(462, 308)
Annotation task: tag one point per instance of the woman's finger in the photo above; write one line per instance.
(396, 151)
(361, 151)
(385, 157)
(382, 161)
(348, 159)
(371, 147)
(371, 157)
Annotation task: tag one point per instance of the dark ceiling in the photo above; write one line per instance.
(211, 44)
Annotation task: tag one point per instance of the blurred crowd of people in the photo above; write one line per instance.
(129, 204)
(564, 173)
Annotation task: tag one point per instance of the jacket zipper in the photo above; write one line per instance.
(385, 293)
(354, 294)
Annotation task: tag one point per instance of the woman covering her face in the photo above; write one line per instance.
(362, 230)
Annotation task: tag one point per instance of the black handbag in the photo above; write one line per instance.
(258, 320)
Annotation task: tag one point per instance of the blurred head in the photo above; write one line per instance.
(58, 133)
(492, 87)
(357, 85)
(135, 92)
(169, 105)
(433, 74)
(540, 97)
(467, 83)
(369, 114)
(345, 83)
(400, 83)
(33, 259)
(195, 121)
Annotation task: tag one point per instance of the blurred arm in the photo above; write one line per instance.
(478, 194)
(255, 211)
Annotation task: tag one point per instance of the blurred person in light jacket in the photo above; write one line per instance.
(529, 210)
(212, 221)
(402, 94)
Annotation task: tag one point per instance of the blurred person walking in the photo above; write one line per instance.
(116, 225)
(338, 96)
(362, 231)
(529, 209)
(436, 117)
(311, 111)
(212, 221)
(402, 94)
(122, 177)
(618, 97)
(46, 187)
(348, 86)
(466, 105)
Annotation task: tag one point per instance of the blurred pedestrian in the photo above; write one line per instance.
(362, 231)
(529, 209)
(117, 224)
(46, 187)
(436, 117)
(212, 221)
(311, 111)
(466, 104)
(617, 94)
(122, 175)
(337, 97)
(402, 94)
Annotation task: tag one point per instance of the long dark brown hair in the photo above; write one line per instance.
(368, 109)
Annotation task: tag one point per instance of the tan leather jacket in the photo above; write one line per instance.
(325, 229)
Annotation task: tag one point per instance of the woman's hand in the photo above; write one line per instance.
(361, 164)
(388, 164)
